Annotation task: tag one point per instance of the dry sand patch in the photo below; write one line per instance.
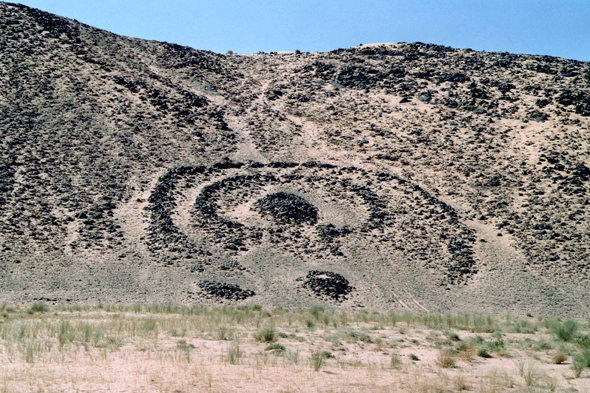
(249, 349)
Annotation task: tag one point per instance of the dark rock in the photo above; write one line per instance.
(287, 209)
(226, 291)
(328, 284)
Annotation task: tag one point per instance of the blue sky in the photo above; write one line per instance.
(552, 27)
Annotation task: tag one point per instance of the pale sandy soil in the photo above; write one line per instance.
(119, 349)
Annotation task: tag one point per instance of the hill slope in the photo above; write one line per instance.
(385, 176)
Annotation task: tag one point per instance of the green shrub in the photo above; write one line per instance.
(445, 359)
(316, 311)
(64, 335)
(395, 361)
(115, 342)
(565, 331)
(150, 324)
(317, 360)
(29, 353)
(234, 353)
(184, 346)
(463, 346)
(266, 335)
(496, 346)
(582, 340)
(38, 307)
(483, 353)
(441, 344)
(452, 336)
(224, 334)
(543, 346)
(276, 348)
(360, 336)
(530, 375)
(581, 361)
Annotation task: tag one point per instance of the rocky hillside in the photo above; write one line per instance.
(409, 176)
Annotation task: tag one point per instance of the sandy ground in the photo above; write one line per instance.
(138, 350)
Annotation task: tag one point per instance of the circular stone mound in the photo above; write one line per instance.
(225, 291)
(287, 208)
(328, 284)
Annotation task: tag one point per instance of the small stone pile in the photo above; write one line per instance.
(222, 290)
(328, 284)
(287, 208)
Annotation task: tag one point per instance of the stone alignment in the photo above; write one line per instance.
(240, 206)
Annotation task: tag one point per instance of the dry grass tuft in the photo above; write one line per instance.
(559, 358)
(171, 348)
(445, 359)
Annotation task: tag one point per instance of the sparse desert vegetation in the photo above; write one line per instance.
(248, 348)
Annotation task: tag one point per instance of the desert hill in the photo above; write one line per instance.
(407, 176)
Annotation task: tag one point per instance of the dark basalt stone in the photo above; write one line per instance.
(542, 102)
(227, 291)
(579, 99)
(287, 208)
(328, 284)
(55, 25)
(538, 116)
(330, 232)
(453, 77)
(425, 97)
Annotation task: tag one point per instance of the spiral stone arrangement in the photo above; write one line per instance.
(313, 211)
